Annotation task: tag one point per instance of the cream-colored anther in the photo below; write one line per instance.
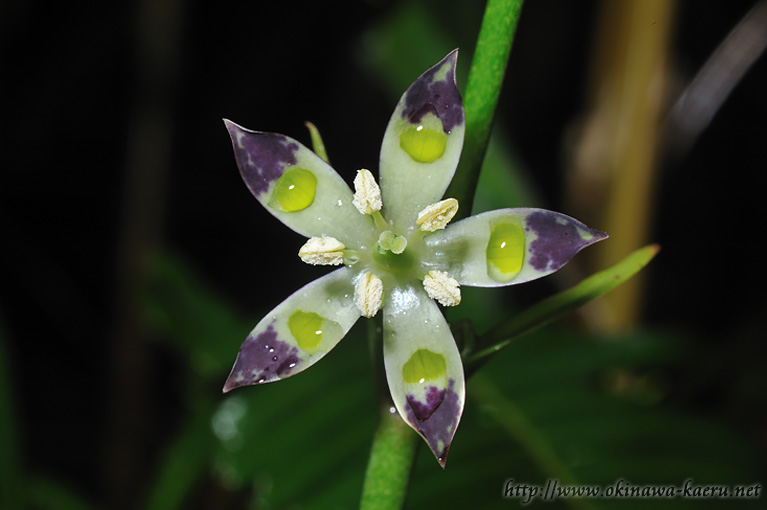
(368, 295)
(443, 288)
(367, 194)
(436, 216)
(322, 251)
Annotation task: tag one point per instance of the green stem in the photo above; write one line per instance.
(390, 463)
(488, 69)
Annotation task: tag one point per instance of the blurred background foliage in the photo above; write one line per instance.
(137, 261)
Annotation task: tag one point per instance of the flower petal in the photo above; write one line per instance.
(423, 367)
(298, 187)
(508, 246)
(422, 144)
(296, 334)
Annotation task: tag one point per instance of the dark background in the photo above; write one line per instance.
(112, 148)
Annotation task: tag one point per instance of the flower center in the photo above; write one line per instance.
(390, 253)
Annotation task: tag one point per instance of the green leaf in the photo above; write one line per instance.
(186, 459)
(183, 310)
(560, 304)
(569, 420)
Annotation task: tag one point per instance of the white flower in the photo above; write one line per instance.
(398, 250)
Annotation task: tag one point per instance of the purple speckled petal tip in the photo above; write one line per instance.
(262, 358)
(435, 92)
(558, 239)
(261, 157)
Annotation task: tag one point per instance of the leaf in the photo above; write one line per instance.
(568, 422)
(560, 304)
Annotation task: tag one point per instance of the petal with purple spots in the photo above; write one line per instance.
(423, 367)
(298, 332)
(422, 144)
(298, 187)
(507, 246)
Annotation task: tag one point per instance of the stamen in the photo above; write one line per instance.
(322, 251)
(368, 295)
(438, 215)
(443, 288)
(367, 194)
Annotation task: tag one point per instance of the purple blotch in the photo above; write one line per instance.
(434, 397)
(438, 97)
(441, 424)
(558, 239)
(263, 358)
(261, 157)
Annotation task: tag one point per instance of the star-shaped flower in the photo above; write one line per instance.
(396, 251)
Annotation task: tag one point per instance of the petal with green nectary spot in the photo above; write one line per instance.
(423, 367)
(508, 246)
(422, 144)
(298, 187)
(300, 331)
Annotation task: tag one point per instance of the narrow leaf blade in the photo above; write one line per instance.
(560, 304)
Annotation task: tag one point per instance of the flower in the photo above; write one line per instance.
(398, 251)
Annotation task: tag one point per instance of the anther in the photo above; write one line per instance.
(438, 215)
(443, 288)
(367, 194)
(322, 251)
(368, 294)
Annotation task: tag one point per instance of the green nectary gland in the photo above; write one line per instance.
(392, 262)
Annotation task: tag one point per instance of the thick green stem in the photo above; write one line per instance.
(390, 463)
(488, 69)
